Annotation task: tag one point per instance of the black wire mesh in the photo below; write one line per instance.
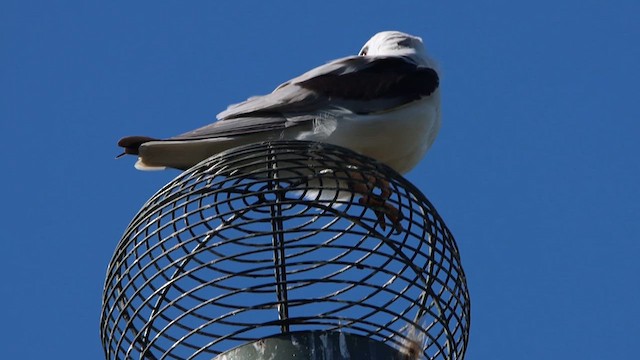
(278, 237)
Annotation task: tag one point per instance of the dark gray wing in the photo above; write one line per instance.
(359, 84)
(235, 127)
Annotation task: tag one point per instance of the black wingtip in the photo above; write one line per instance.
(131, 144)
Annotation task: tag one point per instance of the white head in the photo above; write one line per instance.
(396, 43)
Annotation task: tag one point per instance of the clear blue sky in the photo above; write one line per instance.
(535, 171)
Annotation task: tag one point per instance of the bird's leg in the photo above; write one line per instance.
(364, 185)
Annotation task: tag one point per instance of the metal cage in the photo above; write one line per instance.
(279, 237)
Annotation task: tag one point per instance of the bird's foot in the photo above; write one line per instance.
(365, 186)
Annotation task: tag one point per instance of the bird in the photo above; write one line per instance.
(383, 102)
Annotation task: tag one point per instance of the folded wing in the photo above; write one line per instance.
(358, 84)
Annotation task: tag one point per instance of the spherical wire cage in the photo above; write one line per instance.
(280, 237)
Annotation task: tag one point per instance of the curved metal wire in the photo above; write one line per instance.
(284, 236)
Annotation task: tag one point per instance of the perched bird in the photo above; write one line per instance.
(383, 103)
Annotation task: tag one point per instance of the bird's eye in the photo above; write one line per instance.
(404, 43)
(364, 51)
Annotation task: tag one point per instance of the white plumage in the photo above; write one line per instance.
(383, 103)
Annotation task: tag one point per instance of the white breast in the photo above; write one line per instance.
(398, 138)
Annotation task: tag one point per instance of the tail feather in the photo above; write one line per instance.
(131, 144)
